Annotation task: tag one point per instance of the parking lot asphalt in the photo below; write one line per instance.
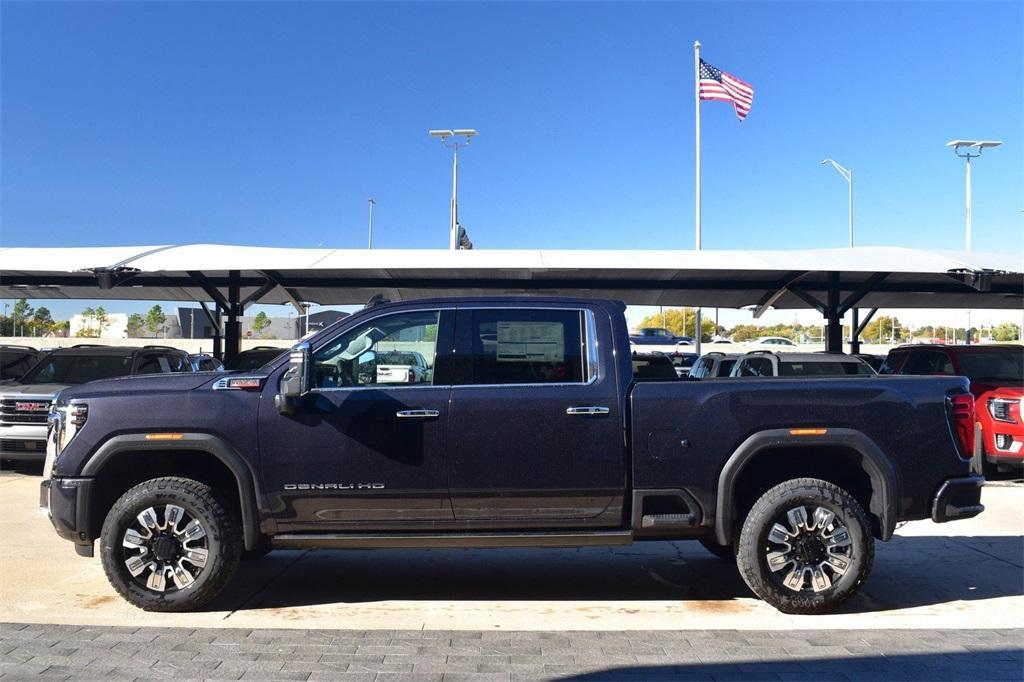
(967, 574)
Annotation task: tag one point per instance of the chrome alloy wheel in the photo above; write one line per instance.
(812, 553)
(167, 544)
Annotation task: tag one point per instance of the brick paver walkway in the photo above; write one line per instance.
(110, 653)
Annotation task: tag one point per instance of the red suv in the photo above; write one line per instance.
(997, 383)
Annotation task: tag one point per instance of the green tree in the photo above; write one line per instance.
(40, 321)
(260, 323)
(100, 315)
(681, 322)
(20, 315)
(135, 325)
(880, 330)
(1007, 331)
(155, 319)
(87, 330)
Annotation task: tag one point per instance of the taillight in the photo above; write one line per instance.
(961, 412)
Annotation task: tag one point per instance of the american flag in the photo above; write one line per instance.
(718, 85)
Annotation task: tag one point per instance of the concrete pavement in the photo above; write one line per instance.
(967, 574)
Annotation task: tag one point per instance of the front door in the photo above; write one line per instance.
(366, 446)
(535, 435)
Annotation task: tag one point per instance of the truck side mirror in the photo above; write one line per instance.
(295, 381)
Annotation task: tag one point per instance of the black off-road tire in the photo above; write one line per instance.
(752, 554)
(224, 542)
(724, 552)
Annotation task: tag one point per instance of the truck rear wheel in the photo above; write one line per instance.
(169, 544)
(806, 546)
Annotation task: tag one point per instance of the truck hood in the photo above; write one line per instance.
(985, 391)
(16, 390)
(148, 383)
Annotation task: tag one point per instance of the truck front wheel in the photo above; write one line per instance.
(806, 546)
(169, 544)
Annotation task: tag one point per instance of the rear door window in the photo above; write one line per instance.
(756, 367)
(527, 346)
(152, 363)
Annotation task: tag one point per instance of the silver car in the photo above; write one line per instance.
(25, 403)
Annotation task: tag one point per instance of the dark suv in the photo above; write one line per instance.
(15, 361)
(25, 403)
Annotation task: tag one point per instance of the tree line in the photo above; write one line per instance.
(884, 330)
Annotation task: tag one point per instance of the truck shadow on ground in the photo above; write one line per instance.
(909, 572)
(990, 664)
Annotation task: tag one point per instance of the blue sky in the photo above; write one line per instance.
(271, 123)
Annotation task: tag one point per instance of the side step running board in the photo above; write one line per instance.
(463, 540)
(667, 520)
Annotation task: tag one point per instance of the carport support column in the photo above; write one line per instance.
(854, 333)
(834, 321)
(232, 328)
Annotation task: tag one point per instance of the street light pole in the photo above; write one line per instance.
(369, 244)
(855, 313)
(444, 136)
(980, 146)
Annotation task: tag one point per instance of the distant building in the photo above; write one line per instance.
(193, 324)
(323, 319)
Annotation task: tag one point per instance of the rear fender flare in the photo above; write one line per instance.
(884, 476)
(248, 492)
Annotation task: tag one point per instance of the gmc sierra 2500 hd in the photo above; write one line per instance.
(527, 430)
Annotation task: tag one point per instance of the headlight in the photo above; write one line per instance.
(71, 419)
(1005, 409)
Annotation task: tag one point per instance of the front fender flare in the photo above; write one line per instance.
(885, 481)
(248, 492)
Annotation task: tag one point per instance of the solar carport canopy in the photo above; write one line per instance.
(867, 277)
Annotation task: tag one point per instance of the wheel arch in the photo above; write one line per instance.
(879, 469)
(209, 445)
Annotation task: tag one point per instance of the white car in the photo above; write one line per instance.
(774, 341)
(711, 365)
(402, 367)
(763, 363)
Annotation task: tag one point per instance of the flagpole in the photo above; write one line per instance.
(696, 102)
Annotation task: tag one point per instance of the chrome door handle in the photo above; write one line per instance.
(590, 410)
(417, 414)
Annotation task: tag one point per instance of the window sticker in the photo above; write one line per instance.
(530, 342)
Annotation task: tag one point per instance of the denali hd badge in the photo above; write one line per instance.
(333, 486)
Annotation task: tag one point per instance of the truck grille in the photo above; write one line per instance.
(29, 411)
(11, 445)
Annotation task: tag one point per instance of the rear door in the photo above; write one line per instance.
(535, 435)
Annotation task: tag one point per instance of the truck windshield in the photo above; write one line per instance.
(78, 369)
(13, 364)
(995, 366)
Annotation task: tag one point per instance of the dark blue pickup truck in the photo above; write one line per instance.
(517, 422)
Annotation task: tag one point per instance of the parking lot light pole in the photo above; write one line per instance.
(369, 244)
(854, 314)
(454, 144)
(979, 146)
